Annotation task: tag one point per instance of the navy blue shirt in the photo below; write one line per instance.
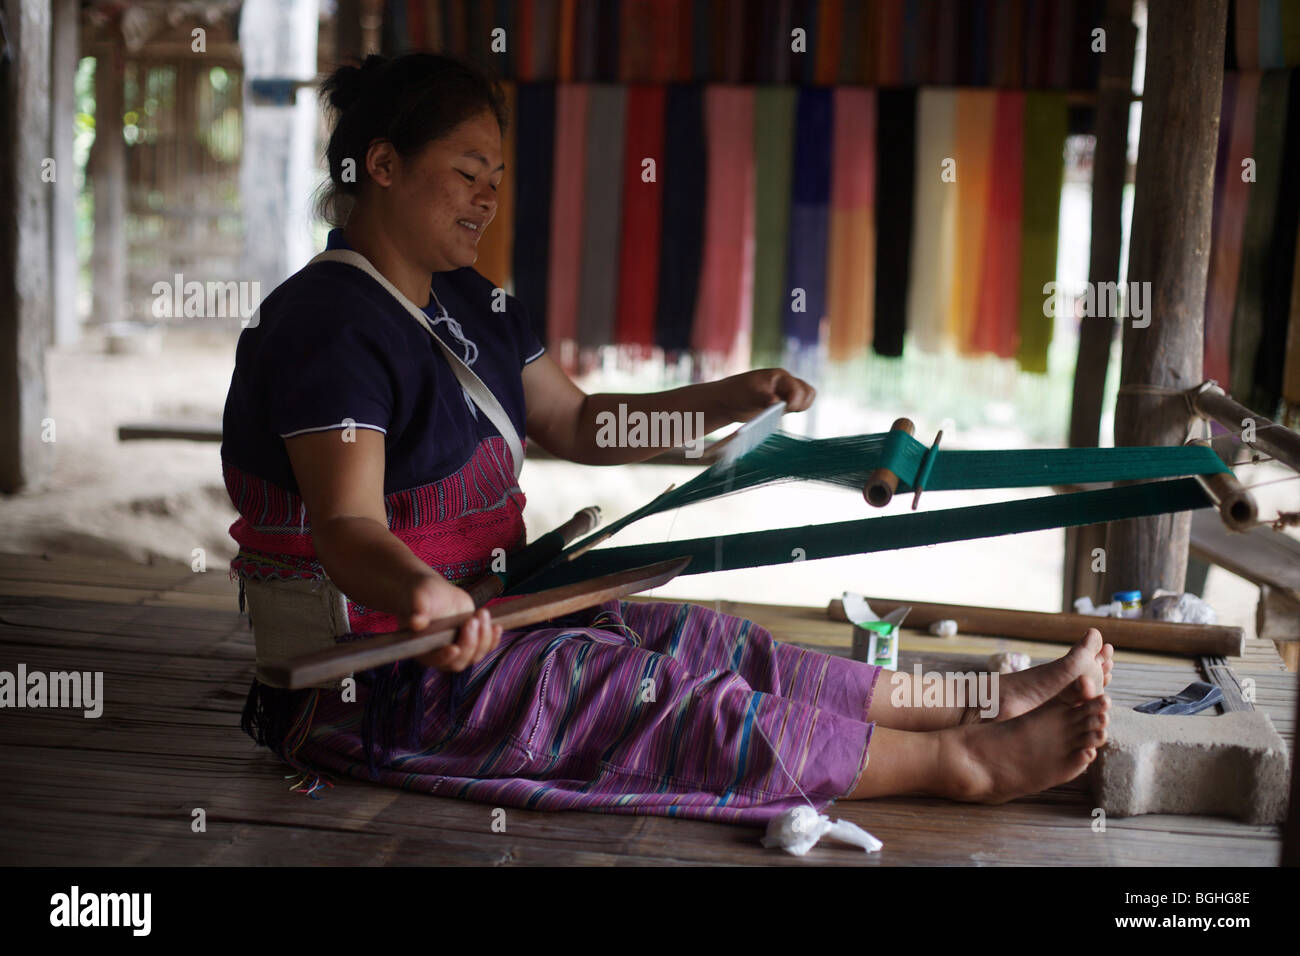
(332, 345)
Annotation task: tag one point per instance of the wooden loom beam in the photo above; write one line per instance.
(1134, 634)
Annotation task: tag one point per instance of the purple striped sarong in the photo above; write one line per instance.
(626, 708)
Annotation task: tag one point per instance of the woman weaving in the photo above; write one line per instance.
(363, 466)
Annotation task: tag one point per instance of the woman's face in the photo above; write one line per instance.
(445, 196)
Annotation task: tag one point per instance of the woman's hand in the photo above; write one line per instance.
(745, 395)
(432, 597)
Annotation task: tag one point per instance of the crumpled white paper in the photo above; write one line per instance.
(797, 831)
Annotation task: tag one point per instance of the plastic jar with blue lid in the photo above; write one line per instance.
(1130, 603)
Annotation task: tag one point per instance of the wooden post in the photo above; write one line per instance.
(278, 166)
(25, 197)
(107, 173)
(64, 54)
(1097, 333)
(1170, 250)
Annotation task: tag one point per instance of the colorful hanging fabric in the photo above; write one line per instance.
(415, 26)
(944, 43)
(723, 314)
(566, 26)
(1257, 236)
(803, 64)
(997, 314)
(607, 42)
(602, 214)
(1291, 34)
(639, 40)
(852, 253)
(895, 184)
(531, 265)
(1044, 166)
(494, 248)
(545, 38)
(854, 54)
(567, 212)
(701, 40)
(976, 111)
(826, 68)
(934, 226)
(1279, 267)
(638, 264)
(455, 26)
(773, 157)
(1231, 196)
(889, 43)
(809, 218)
(1247, 26)
(682, 242)
(912, 49)
(586, 36)
(524, 32)
(1061, 17)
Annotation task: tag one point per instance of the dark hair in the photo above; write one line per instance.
(410, 101)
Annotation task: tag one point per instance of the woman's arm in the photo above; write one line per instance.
(576, 426)
(341, 483)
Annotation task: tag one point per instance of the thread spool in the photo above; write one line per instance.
(882, 483)
(1237, 507)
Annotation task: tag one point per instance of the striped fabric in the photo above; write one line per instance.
(997, 312)
(628, 708)
(1044, 170)
(773, 138)
(601, 222)
(934, 227)
(851, 282)
(809, 217)
(638, 266)
(724, 312)
(976, 111)
(451, 524)
(567, 207)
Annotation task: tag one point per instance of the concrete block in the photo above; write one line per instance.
(1231, 765)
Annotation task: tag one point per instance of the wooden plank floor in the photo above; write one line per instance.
(176, 658)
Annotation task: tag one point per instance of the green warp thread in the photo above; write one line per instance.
(849, 461)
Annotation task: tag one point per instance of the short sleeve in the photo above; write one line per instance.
(327, 371)
(527, 336)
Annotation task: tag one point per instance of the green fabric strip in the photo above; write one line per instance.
(773, 136)
(888, 533)
(1044, 169)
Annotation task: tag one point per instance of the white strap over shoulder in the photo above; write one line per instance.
(474, 385)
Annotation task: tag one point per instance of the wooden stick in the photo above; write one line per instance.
(882, 483)
(1215, 404)
(1236, 505)
(1125, 633)
(339, 661)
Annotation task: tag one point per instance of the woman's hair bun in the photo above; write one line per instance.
(345, 87)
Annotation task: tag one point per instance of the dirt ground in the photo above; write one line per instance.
(157, 501)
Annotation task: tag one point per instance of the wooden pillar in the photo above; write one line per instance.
(1170, 249)
(107, 174)
(26, 198)
(64, 55)
(1097, 333)
(278, 165)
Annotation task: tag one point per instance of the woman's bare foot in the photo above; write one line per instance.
(1080, 674)
(997, 762)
